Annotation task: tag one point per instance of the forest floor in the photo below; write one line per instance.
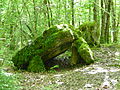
(104, 74)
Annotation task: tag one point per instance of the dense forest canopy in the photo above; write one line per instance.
(22, 21)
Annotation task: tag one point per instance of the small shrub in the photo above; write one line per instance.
(52, 69)
(8, 81)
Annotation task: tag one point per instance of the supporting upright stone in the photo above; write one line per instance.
(81, 52)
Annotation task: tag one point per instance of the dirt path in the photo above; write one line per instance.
(102, 75)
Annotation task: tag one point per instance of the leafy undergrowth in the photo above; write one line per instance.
(8, 81)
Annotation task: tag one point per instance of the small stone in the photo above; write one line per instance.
(114, 82)
(117, 53)
(58, 75)
(106, 85)
(88, 85)
(59, 83)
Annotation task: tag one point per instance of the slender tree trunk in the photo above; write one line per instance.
(102, 38)
(115, 31)
(73, 12)
(80, 15)
(47, 11)
(12, 43)
(95, 11)
(65, 8)
(35, 18)
(48, 16)
(107, 32)
(51, 15)
(89, 11)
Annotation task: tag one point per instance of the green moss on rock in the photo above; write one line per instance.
(36, 65)
(86, 53)
(87, 26)
(80, 41)
(90, 32)
(81, 52)
(23, 56)
(56, 44)
(75, 55)
(57, 28)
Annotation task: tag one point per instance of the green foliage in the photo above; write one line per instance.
(8, 81)
(21, 21)
(52, 69)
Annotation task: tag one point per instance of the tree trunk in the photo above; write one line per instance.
(35, 19)
(47, 11)
(89, 11)
(115, 32)
(73, 12)
(95, 11)
(107, 32)
(51, 15)
(102, 38)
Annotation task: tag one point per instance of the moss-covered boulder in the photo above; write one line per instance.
(81, 52)
(54, 41)
(90, 32)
